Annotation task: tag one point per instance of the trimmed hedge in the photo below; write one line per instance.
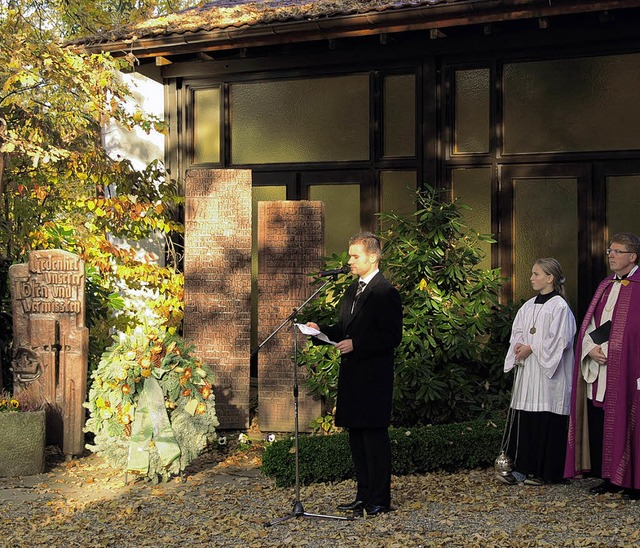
(448, 447)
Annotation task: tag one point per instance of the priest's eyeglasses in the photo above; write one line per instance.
(617, 251)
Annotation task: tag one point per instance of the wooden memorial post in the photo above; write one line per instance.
(50, 342)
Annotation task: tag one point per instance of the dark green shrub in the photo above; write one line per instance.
(322, 458)
(449, 301)
(448, 447)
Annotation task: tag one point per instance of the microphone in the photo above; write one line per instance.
(342, 270)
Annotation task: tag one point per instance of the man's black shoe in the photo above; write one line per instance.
(631, 494)
(373, 510)
(605, 487)
(355, 505)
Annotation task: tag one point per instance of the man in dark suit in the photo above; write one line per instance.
(369, 329)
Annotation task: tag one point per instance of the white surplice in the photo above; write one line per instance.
(543, 380)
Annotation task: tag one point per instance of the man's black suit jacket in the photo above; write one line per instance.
(365, 382)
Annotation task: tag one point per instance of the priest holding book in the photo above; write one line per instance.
(604, 435)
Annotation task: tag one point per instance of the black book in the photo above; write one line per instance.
(601, 334)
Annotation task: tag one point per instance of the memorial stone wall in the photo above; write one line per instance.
(217, 284)
(217, 271)
(290, 246)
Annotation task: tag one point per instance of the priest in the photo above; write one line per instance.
(604, 439)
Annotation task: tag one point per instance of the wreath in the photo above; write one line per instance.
(151, 404)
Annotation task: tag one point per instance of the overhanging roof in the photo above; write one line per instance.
(229, 24)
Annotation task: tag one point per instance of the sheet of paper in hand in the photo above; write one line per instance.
(306, 330)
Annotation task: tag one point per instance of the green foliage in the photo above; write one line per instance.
(322, 458)
(118, 382)
(104, 231)
(448, 305)
(449, 363)
(325, 425)
(58, 184)
(82, 17)
(448, 447)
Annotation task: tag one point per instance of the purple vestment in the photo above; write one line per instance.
(621, 438)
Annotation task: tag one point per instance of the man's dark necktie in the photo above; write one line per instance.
(361, 286)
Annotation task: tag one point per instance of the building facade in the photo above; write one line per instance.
(524, 110)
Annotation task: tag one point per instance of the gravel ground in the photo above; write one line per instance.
(225, 501)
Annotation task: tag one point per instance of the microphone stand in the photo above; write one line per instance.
(298, 510)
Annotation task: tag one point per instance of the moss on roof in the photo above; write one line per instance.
(224, 14)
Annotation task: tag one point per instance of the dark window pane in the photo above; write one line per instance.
(400, 115)
(473, 188)
(623, 204)
(311, 120)
(471, 111)
(572, 105)
(398, 192)
(341, 213)
(546, 225)
(206, 126)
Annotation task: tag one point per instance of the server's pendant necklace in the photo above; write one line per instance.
(535, 319)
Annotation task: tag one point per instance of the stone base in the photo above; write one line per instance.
(22, 443)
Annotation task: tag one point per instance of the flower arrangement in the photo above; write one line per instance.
(9, 404)
(151, 353)
(13, 403)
